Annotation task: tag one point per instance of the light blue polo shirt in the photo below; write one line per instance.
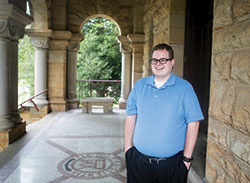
(162, 115)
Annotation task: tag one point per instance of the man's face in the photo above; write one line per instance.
(162, 71)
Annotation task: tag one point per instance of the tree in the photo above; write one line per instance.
(99, 56)
(25, 69)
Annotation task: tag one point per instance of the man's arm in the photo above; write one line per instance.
(129, 131)
(191, 136)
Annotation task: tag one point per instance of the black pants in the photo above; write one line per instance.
(141, 170)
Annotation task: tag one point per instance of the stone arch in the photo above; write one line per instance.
(101, 15)
(82, 11)
(40, 10)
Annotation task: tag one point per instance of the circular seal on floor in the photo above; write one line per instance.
(91, 165)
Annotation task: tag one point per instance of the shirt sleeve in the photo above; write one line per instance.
(191, 105)
(131, 107)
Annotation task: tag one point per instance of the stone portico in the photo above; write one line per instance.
(211, 43)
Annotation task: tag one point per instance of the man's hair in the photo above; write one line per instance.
(163, 46)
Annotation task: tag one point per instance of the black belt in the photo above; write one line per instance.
(156, 160)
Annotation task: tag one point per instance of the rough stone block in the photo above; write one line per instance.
(221, 100)
(9, 136)
(217, 132)
(230, 139)
(241, 109)
(4, 140)
(232, 38)
(240, 71)
(222, 13)
(239, 144)
(241, 9)
(221, 66)
(228, 167)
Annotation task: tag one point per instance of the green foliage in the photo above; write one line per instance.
(99, 56)
(25, 69)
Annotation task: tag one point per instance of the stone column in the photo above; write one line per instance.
(126, 70)
(5, 122)
(12, 23)
(40, 67)
(13, 83)
(73, 47)
(137, 44)
(57, 70)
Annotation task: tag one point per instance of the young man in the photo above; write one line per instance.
(162, 124)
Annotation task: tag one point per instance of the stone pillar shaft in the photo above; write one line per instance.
(13, 19)
(71, 80)
(126, 75)
(5, 122)
(13, 83)
(41, 46)
(71, 70)
(57, 64)
(126, 71)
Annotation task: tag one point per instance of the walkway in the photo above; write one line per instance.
(68, 147)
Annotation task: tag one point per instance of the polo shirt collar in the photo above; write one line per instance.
(171, 81)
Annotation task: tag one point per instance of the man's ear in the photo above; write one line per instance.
(172, 62)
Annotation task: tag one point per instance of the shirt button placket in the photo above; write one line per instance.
(156, 94)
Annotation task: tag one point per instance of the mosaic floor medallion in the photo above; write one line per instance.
(91, 165)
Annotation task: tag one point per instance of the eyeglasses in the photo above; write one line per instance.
(161, 60)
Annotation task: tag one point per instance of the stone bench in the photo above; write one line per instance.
(87, 104)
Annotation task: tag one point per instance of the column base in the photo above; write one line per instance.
(58, 105)
(122, 103)
(9, 136)
(41, 101)
(30, 114)
(73, 103)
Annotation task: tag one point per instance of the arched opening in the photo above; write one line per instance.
(99, 60)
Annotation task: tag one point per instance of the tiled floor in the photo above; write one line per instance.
(68, 147)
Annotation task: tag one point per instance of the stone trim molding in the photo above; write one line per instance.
(136, 38)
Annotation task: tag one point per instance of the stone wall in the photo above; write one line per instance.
(164, 21)
(228, 157)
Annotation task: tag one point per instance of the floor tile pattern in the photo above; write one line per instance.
(68, 147)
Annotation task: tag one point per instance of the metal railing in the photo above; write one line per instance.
(99, 88)
(31, 99)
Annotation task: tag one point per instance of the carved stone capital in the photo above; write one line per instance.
(73, 45)
(40, 42)
(11, 29)
(74, 42)
(3, 25)
(124, 42)
(15, 18)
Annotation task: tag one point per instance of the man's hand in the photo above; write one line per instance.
(127, 148)
(187, 164)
